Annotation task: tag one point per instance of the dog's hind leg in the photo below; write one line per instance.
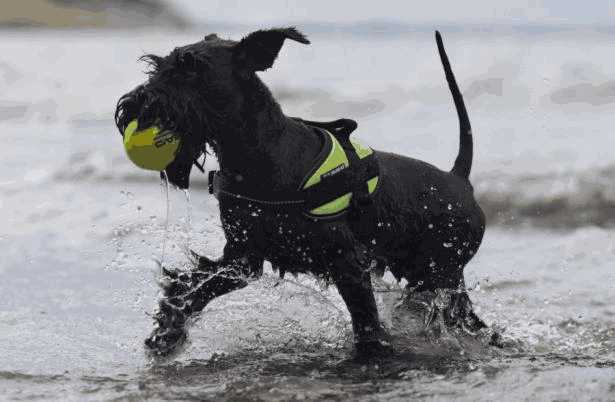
(187, 293)
(435, 279)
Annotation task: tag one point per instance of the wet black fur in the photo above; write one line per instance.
(429, 225)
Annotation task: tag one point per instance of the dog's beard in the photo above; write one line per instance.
(178, 171)
(178, 174)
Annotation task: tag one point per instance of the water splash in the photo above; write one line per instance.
(184, 229)
(165, 187)
(443, 319)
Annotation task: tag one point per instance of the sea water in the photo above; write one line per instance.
(83, 230)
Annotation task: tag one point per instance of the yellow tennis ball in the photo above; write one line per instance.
(151, 148)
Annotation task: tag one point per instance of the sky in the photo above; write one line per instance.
(410, 11)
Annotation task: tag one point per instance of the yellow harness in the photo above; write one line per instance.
(344, 175)
(335, 162)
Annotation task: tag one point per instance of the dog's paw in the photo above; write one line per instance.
(373, 349)
(164, 342)
(169, 333)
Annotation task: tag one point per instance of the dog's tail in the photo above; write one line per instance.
(463, 163)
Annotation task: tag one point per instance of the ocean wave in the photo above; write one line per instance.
(34, 378)
(557, 200)
(599, 94)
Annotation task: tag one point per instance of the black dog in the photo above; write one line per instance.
(420, 223)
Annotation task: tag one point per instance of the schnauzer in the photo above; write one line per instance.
(372, 212)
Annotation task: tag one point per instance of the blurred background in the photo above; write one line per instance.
(81, 228)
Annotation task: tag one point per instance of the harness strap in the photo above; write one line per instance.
(362, 213)
(218, 183)
(338, 127)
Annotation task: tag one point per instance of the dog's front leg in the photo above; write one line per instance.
(187, 293)
(352, 278)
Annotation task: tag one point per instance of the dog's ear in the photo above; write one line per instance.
(258, 50)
